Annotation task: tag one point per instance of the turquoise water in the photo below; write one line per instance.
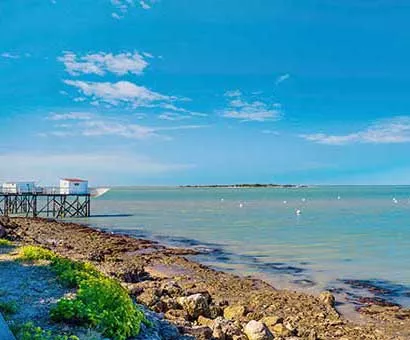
(343, 232)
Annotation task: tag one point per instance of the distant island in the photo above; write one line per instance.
(245, 185)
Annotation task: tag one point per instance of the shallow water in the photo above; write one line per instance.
(343, 232)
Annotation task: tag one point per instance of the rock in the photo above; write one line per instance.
(280, 330)
(203, 321)
(215, 311)
(149, 297)
(327, 298)
(172, 289)
(312, 335)
(234, 312)
(3, 232)
(271, 321)
(256, 330)
(228, 328)
(199, 332)
(195, 305)
(176, 315)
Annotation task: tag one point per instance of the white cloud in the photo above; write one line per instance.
(145, 5)
(99, 168)
(282, 78)
(233, 93)
(123, 6)
(239, 108)
(70, 116)
(101, 63)
(8, 55)
(90, 125)
(393, 130)
(120, 92)
(172, 116)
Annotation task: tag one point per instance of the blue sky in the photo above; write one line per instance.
(128, 92)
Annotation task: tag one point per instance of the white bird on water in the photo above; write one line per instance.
(303, 199)
(240, 205)
(338, 197)
(298, 212)
(284, 202)
(222, 200)
(395, 200)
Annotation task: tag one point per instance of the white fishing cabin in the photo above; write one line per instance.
(18, 187)
(73, 186)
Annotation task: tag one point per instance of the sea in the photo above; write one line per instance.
(351, 240)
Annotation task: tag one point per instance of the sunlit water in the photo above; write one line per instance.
(357, 232)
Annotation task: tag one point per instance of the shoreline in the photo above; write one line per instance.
(146, 267)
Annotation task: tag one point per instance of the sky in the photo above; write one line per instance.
(169, 92)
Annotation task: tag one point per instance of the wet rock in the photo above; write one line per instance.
(234, 312)
(256, 330)
(327, 298)
(195, 305)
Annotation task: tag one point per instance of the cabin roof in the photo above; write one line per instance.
(73, 180)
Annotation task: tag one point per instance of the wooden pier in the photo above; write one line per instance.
(46, 203)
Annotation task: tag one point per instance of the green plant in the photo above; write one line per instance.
(8, 307)
(5, 243)
(29, 331)
(102, 303)
(34, 253)
(72, 273)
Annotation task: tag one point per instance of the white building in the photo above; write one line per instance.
(74, 186)
(18, 187)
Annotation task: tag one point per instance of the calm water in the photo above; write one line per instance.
(357, 232)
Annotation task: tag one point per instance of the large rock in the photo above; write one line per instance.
(195, 305)
(234, 312)
(256, 330)
(327, 298)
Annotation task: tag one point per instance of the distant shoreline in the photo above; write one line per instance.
(245, 185)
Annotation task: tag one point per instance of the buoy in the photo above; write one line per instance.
(240, 205)
(394, 200)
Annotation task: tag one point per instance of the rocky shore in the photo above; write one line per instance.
(203, 302)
